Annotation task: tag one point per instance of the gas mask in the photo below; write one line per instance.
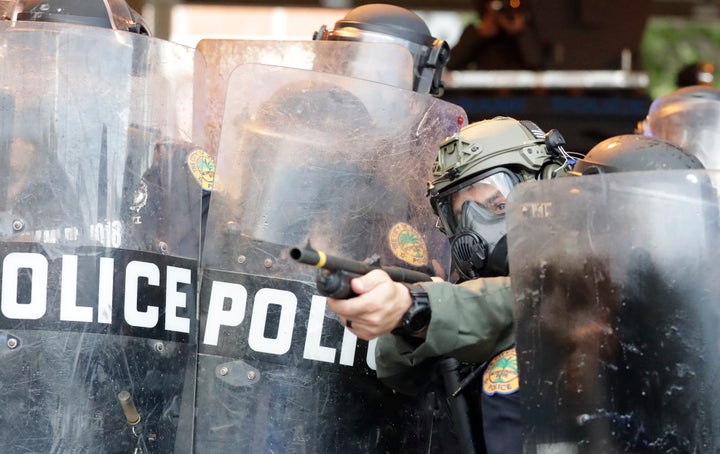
(475, 250)
(472, 215)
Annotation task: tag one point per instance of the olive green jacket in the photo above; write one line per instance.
(471, 321)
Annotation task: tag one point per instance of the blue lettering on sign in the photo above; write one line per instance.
(625, 107)
(495, 105)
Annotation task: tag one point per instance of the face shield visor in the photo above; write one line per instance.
(472, 215)
(428, 59)
(127, 19)
(114, 14)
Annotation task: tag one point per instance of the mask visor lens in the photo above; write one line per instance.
(489, 193)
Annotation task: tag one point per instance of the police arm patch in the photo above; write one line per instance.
(501, 375)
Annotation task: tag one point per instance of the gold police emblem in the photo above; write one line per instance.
(501, 375)
(407, 244)
(202, 167)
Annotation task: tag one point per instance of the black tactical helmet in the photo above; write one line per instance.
(383, 23)
(633, 152)
(114, 14)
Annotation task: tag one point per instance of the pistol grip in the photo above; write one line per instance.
(335, 284)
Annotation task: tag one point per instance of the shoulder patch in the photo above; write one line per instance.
(501, 375)
(202, 167)
(407, 244)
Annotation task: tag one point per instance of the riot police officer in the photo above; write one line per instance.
(391, 24)
(472, 321)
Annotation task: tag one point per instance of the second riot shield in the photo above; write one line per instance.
(305, 158)
(354, 59)
(616, 286)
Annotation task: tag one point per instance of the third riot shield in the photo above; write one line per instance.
(616, 281)
(99, 241)
(307, 158)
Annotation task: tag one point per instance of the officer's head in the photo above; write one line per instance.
(383, 23)
(690, 118)
(114, 14)
(474, 172)
(633, 152)
(698, 73)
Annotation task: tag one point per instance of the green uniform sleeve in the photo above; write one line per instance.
(470, 321)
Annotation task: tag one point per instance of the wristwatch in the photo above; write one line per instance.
(417, 317)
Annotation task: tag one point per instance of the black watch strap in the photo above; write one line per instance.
(417, 317)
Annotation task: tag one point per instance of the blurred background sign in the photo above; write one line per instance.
(598, 63)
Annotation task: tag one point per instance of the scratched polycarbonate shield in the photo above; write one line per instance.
(616, 283)
(354, 59)
(99, 241)
(308, 156)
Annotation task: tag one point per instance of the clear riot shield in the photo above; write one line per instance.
(362, 60)
(618, 320)
(690, 121)
(99, 240)
(304, 156)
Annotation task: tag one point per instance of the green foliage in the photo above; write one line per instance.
(670, 43)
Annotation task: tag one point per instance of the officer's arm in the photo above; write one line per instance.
(470, 321)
